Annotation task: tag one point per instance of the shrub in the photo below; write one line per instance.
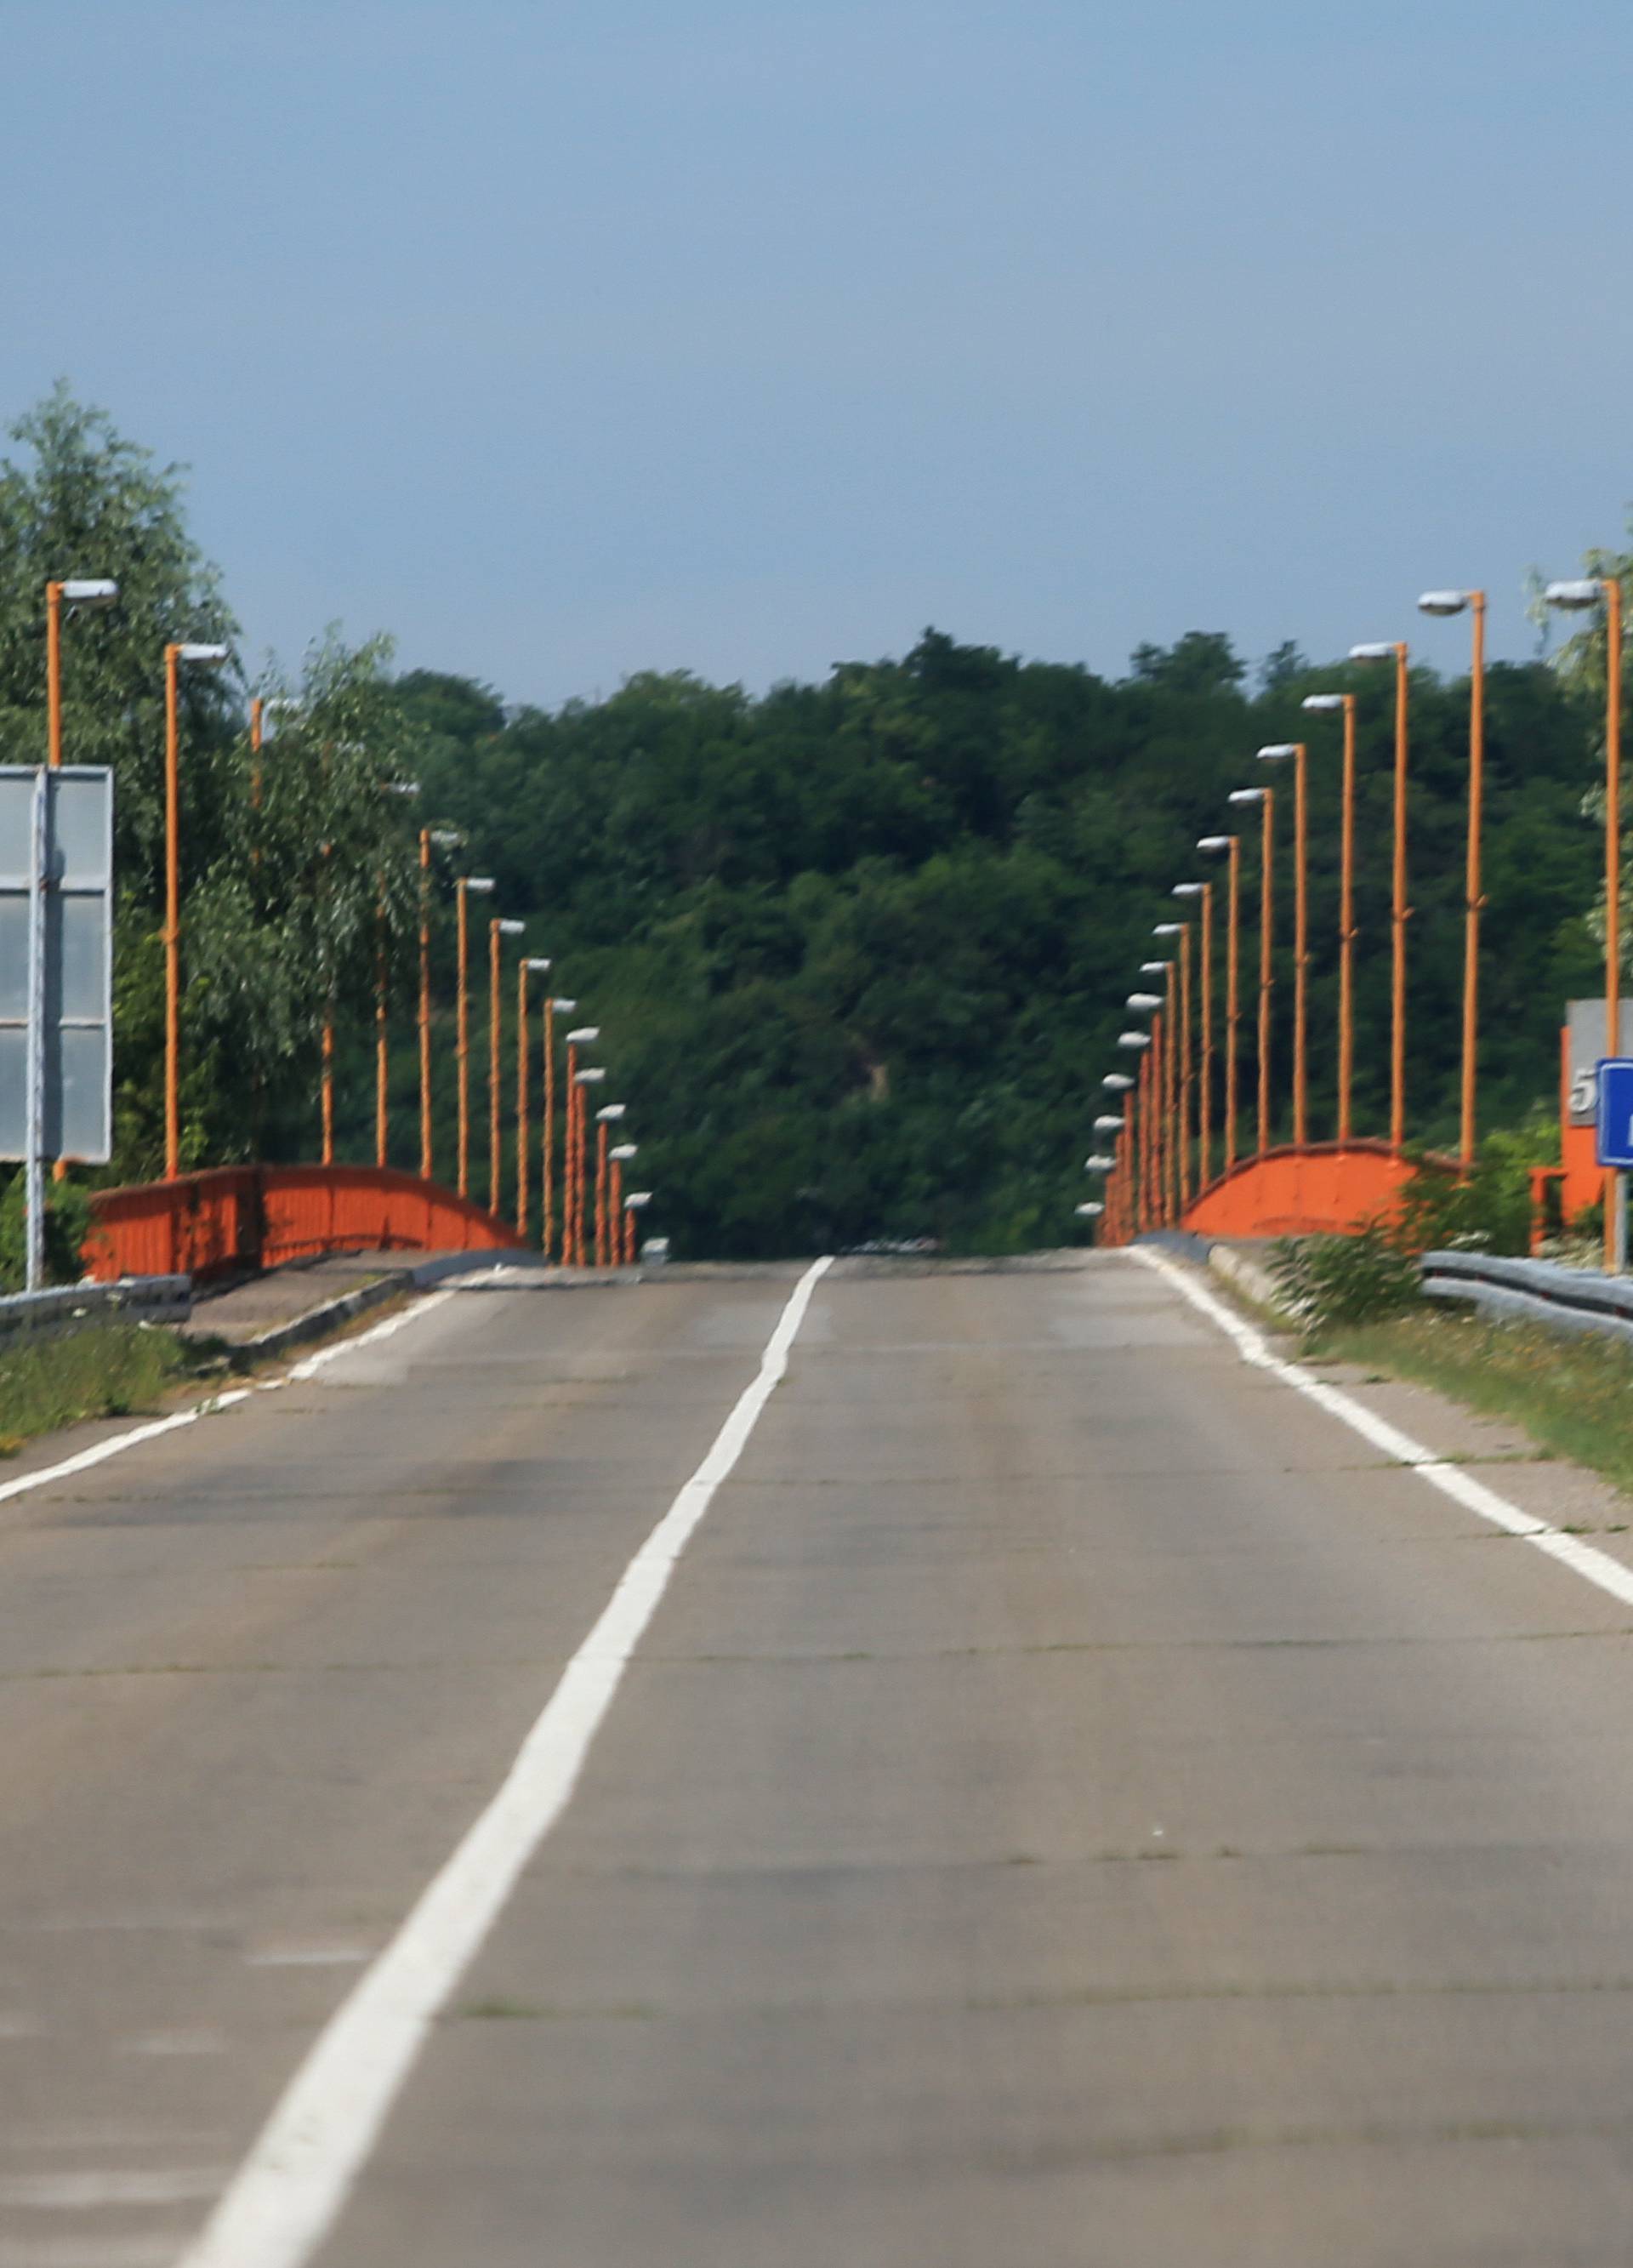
(68, 1224)
(1330, 1281)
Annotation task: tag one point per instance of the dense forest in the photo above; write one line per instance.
(859, 948)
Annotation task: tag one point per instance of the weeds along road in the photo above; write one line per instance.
(777, 1768)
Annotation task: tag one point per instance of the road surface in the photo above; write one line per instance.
(1071, 1801)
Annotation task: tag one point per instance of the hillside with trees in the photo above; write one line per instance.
(858, 947)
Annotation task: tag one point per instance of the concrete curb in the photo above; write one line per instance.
(317, 1323)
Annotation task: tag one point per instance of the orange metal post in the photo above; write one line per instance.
(1204, 1147)
(629, 1236)
(54, 675)
(495, 1024)
(615, 1213)
(463, 1047)
(172, 919)
(1400, 915)
(1232, 997)
(382, 1084)
(1473, 901)
(1301, 950)
(329, 1091)
(1267, 879)
(257, 710)
(1170, 1096)
(568, 1250)
(1186, 1093)
(1346, 929)
(602, 1140)
(425, 1006)
(521, 1097)
(1613, 869)
(547, 1162)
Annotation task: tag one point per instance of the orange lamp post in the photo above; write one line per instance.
(553, 1007)
(606, 1119)
(200, 657)
(583, 1250)
(617, 1219)
(1151, 1004)
(1184, 1112)
(1121, 1091)
(1454, 602)
(499, 928)
(1139, 1043)
(525, 968)
(1400, 912)
(77, 593)
(465, 887)
(1202, 892)
(1265, 797)
(1279, 752)
(1230, 843)
(1607, 590)
(635, 1203)
(583, 1036)
(1328, 703)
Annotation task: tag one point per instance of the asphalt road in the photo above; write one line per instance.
(1075, 1803)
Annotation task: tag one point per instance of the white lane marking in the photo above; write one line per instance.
(289, 2190)
(83, 1460)
(1585, 1560)
(307, 1956)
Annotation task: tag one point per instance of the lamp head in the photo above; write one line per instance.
(1247, 795)
(610, 1112)
(1573, 595)
(1170, 929)
(91, 591)
(1446, 602)
(584, 1034)
(1324, 704)
(1278, 751)
(445, 838)
(480, 883)
(623, 1152)
(1098, 1163)
(203, 657)
(536, 967)
(1108, 1125)
(1118, 1081)
(1377, 649)
(591, 1078)
(503, 928)
(1090, 1211)
(1215, 842)
(1142, 1001)
(1155, 967)
(1134, 1041)
(563, 1007)
(1188, 889)
(634, 1199)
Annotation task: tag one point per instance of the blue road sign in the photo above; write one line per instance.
(1615, 1111)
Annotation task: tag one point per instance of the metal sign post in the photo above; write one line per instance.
(56, 849)
(1615, 1140)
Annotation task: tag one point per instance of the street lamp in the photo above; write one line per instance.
(1203, 892)
(635, 1201)
(1400, 912)
(620, 1155)
(382, 1065)
(525, 966)
(1182, 1044)
(1573, 597)
(572, 1227)
(197, 656)
(1454, 602)
(554, 1006)
(1118, 1082)
(1212, 845)
(465, 887)
(1331, 704)
(1108, 1124)
(77, 592)
(582, 1080)
(606, 1118)
(499, 928)
(1265, 796)
(1278, 752)
(439, 838)
(1098, 1163)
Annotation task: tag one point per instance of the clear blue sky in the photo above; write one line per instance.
(568, 337)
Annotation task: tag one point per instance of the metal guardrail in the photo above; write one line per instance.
(132, 1299)
(1532, 1291)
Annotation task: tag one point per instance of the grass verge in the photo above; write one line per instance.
(1573, 1396)
(111, 1370)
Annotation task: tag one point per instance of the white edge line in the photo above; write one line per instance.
(83, 1460)
(289, 2190)
(1585, 1560)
